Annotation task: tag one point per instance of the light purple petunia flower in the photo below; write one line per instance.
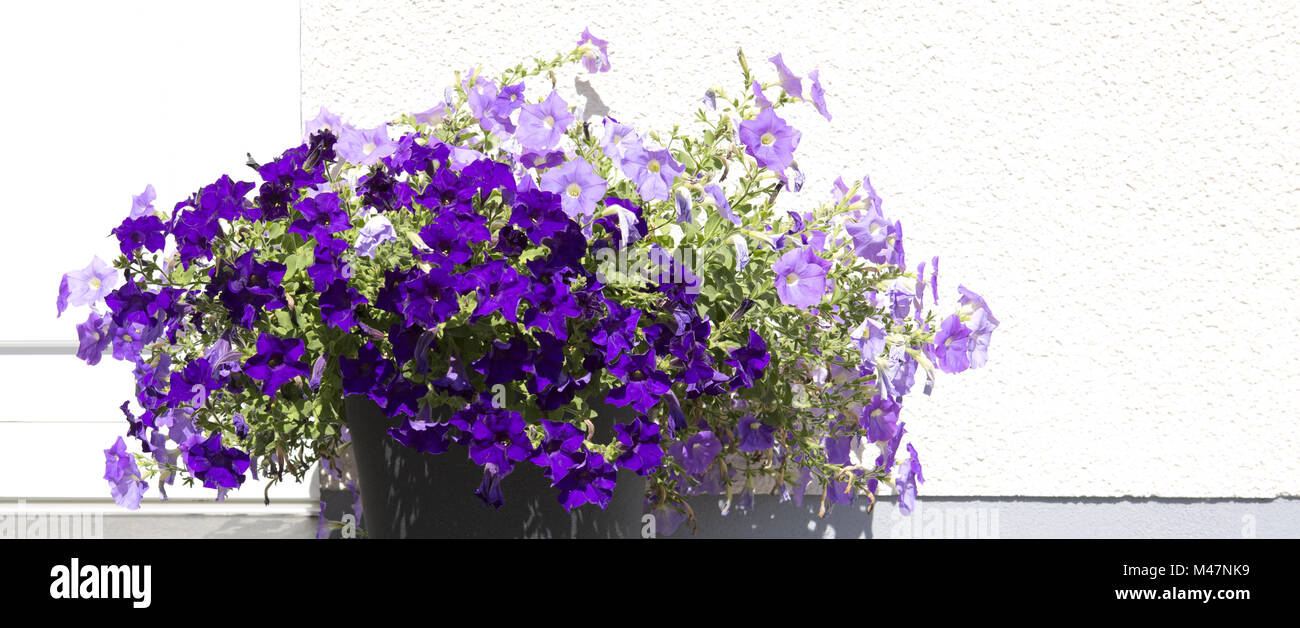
(742, 251)
(909, 476)
(682, 199)
(375, 232)
(769, 140)
(578, 186)
(653, 171)
(123, 476)
(874, 238)
(142, 203)
(88, 285)
(818, 95)
(325, 120)
(801, 278)
(977, 345)
(720, 201)
(596, 56)
(870, 340)
(759, 97)
(541, 126)
(618, 137)
(950, 345)
(792, 84)
(431, 116)
(365, 146)
(699, 452)
(93, 337)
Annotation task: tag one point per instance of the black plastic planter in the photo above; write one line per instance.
(408, 494)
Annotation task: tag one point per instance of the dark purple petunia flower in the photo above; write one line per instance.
(749, 361)
(363, 374)
(321, 215)
(216, 466)
(769, 140)
(423, 436)
(192, 385)
(496, 436)
(146, 233)
(551, 305)
(755, 436)
(277, 361)
(490, 489)
(591, 481)
(643, 384)
(641, 451)
(560, 450)
(338, 304)
(699, 451)
(504, 362)
(616, 332)
(429, 298)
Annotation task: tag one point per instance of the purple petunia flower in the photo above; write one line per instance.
(423, 436)
(818, 95)
(950, 345)
(591, 481)
(642, 384)
(755, 436)
(541, 126)
(146, 232)
(875, 239)
(365, 146)
(578, 186)
(909, 476)
(759, 98)
(699, 452)
(749, 361)
(769, 140)
(720, 201)
(93, 337)
(616, 141)
(277, 361)
(338, 304)
(375, 232)
(218, 467)
(142, 203)
(792, 84)
(123, 476)
(641, 451)
(496, 436)
(325, 120)
(653, 171)
(801, 278)
(596, 55)
(880, 419)
(90, 284)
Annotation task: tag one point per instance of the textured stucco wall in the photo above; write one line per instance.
(1118, 179)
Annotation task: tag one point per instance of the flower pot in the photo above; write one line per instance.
(408, 494)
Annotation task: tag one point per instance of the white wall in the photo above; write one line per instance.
(1118, 179)
(100, 99)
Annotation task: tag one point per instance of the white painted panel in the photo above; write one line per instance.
(65, 461)
(63, 388)
(104, 97)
